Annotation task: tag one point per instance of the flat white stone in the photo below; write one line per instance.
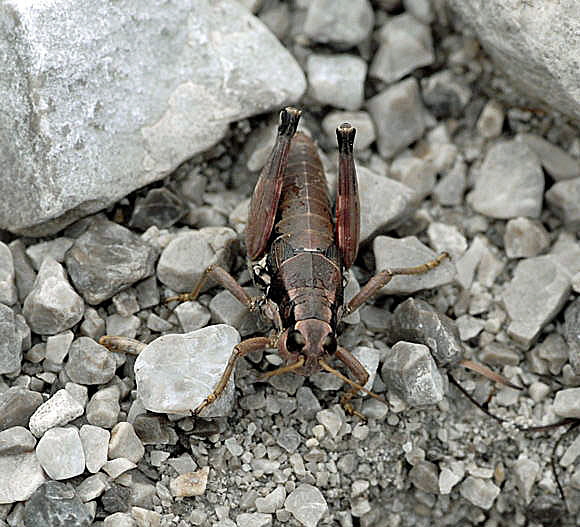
(175, 373)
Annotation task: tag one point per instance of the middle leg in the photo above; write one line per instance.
(382, 278)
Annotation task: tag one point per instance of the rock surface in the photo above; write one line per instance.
(175, 373)
(391, 253)
(399, 116)
(220, 64)
(53, 305)
(106, 258)
(510, 182)
(411, 373)
(535, 60)
(56, 503)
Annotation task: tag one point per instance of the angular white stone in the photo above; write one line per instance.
(20, 476)
(95, 441)
(175, 373)
(60, 409)
(60, 453)
(408, 252)
(105, 124)
(307, 504)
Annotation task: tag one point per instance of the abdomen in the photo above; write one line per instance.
(306, 272)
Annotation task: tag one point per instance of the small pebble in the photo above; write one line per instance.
(411, 373)
(56, 503)
(337, 80)
(191, 483)
(95, 441)
(555, 161)
(60, 452)
(490, 121)
(510, 182)
(563, 199)
(89, 362)
(480, 492)
(103, 408)
(405, 45)
(567, 402)
(307, 504)
(272, 502)
(107, 258)
(125, 443)
(399, 116)
(59, 410)
(53, 305)
(8, 292)
(342, 23)
(525, 238)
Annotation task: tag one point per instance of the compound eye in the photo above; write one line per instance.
(294, 341)
(329, 344)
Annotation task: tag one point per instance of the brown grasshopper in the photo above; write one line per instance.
(301, 254)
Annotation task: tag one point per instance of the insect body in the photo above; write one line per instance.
(292, 236)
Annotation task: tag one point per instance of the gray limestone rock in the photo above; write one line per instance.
(384, 203)
(450, 188)
(405, 45)
(53, 305)
(272, 502)
(95, 441)
(101, 134)
(175, 373)
(525, 238)
(16, 406)
(567, 403)
(448, 238)
(534, 296)
(103, 408)
(55, 504)
(23, 270)
(342, 23)
(365, 128)
(160, 207)
(89, 362)
(564, 200)
(391, 253)
(56, 249)
(411, 373)
(10, 341)
(57, 347)
(526, 471)
(8, 293)
(307, 504)
(480, 492)
(337, 80)
(186, 257)
(106, 258)
(60, 452)
(417, 321)
(559, 164)
(399, 116)
(490, 120)
(510, 182)
(572, 333)
(535, 60)
(60, 409)
(20, 476)
(225, 308)
(425, 476)
(444, 94)
(16, 440)
(125, 443)
(417, 174)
